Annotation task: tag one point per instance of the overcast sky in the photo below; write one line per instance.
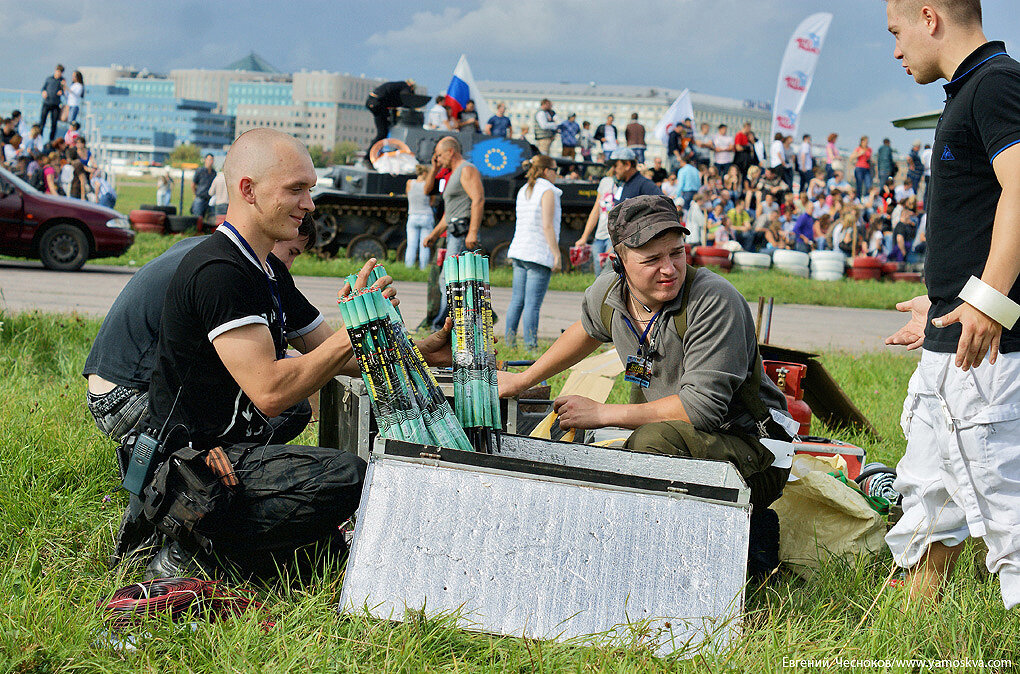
(723, 47)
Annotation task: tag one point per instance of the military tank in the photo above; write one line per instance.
(364, 213)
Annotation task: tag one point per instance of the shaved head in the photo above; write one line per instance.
(448, 143)
(961, 12)
(255, 153)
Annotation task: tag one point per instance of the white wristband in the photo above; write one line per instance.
(990, 302)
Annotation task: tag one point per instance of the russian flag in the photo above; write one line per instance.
(462, 87)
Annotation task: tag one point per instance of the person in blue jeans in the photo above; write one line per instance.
(534, 250)
(420, 219)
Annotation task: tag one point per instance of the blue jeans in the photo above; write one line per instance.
(454, 246)
(821, 243)
(862, 177)
(599, 246)
(531, 280)
(107, 199)
(418, 227)
(199, 206)
(72, 113)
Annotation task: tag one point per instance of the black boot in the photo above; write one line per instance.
(763, 544)
(174, 561)
(137, 539)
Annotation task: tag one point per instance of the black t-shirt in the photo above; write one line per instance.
(218, 287)
(125, 348)
(52, 87)
(203, 180)
(388, 94)
(638, 185)
(981, 119)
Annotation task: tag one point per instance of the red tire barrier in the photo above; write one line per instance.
(865, 262)
(864, 274)
(890, 268)
(713, 261)
(139, 216)
(149, 227)
(710, 251)
(907, 276)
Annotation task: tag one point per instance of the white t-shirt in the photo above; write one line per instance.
(529, 244)
(609, 140)
(723, 156)
(606, 200)
(74, 94)
(926, 160)
(777, 154)
(437, 118)
(66, 178)
(902, 193)
(804, 158)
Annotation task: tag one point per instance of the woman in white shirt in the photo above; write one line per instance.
(420, 219)
(75, 93)
(535, 250)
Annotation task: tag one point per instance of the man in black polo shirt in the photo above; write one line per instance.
(220, 375)
(384, 98)
(958, 475)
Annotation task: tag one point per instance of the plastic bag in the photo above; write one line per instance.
(396, 163)
(821, 518)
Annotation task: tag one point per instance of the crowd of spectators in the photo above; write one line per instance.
(56, 164)
(745, 193)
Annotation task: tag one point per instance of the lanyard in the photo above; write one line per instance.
(644, 335)
(270, 281)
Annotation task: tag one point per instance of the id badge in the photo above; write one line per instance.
(638, 371)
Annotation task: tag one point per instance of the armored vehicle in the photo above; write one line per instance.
(364, 213)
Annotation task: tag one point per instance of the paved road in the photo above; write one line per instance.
(26, 285)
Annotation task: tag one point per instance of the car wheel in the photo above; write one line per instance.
(63, 248)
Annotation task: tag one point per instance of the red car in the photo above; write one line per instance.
(60, 231)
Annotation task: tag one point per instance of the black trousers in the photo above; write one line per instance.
(53, 111)
(381, 116)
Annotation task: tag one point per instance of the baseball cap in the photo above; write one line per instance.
(638, 220)
(623, 154)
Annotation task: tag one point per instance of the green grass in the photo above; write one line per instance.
(133, 192)
(56, 530)
(786, 289)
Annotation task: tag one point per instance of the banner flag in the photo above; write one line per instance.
(797, 72)
(678, 112)
(462, 87)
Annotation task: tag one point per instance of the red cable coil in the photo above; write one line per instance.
(176, 597)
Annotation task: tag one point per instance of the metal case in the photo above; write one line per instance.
(551, 551)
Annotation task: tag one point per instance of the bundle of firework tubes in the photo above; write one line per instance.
(405, 396)
(475, 394)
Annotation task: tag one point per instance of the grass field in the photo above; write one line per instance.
(61, 505)
(784, 288)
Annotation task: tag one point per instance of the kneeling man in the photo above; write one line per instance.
(687, 339)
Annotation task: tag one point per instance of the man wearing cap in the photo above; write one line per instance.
(687, 340)
(623, 182)
(384, 98)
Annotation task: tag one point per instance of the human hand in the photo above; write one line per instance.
(471, 241)
(511, 384)
(980, 335)
(911, 335)
(557, 261)
(578, 412)
(436, 347)
(580, 242)
(429, 240)
(384, 284)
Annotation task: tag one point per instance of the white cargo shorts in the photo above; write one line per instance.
(960, 474)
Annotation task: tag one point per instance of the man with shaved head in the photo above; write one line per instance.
(959, 472)
(464, 202)
(221, 374)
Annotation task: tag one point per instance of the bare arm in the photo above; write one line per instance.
(471, 179)
(548, 227)
(589, 226)
(572, 346)
(581, 412)
(274, 385)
